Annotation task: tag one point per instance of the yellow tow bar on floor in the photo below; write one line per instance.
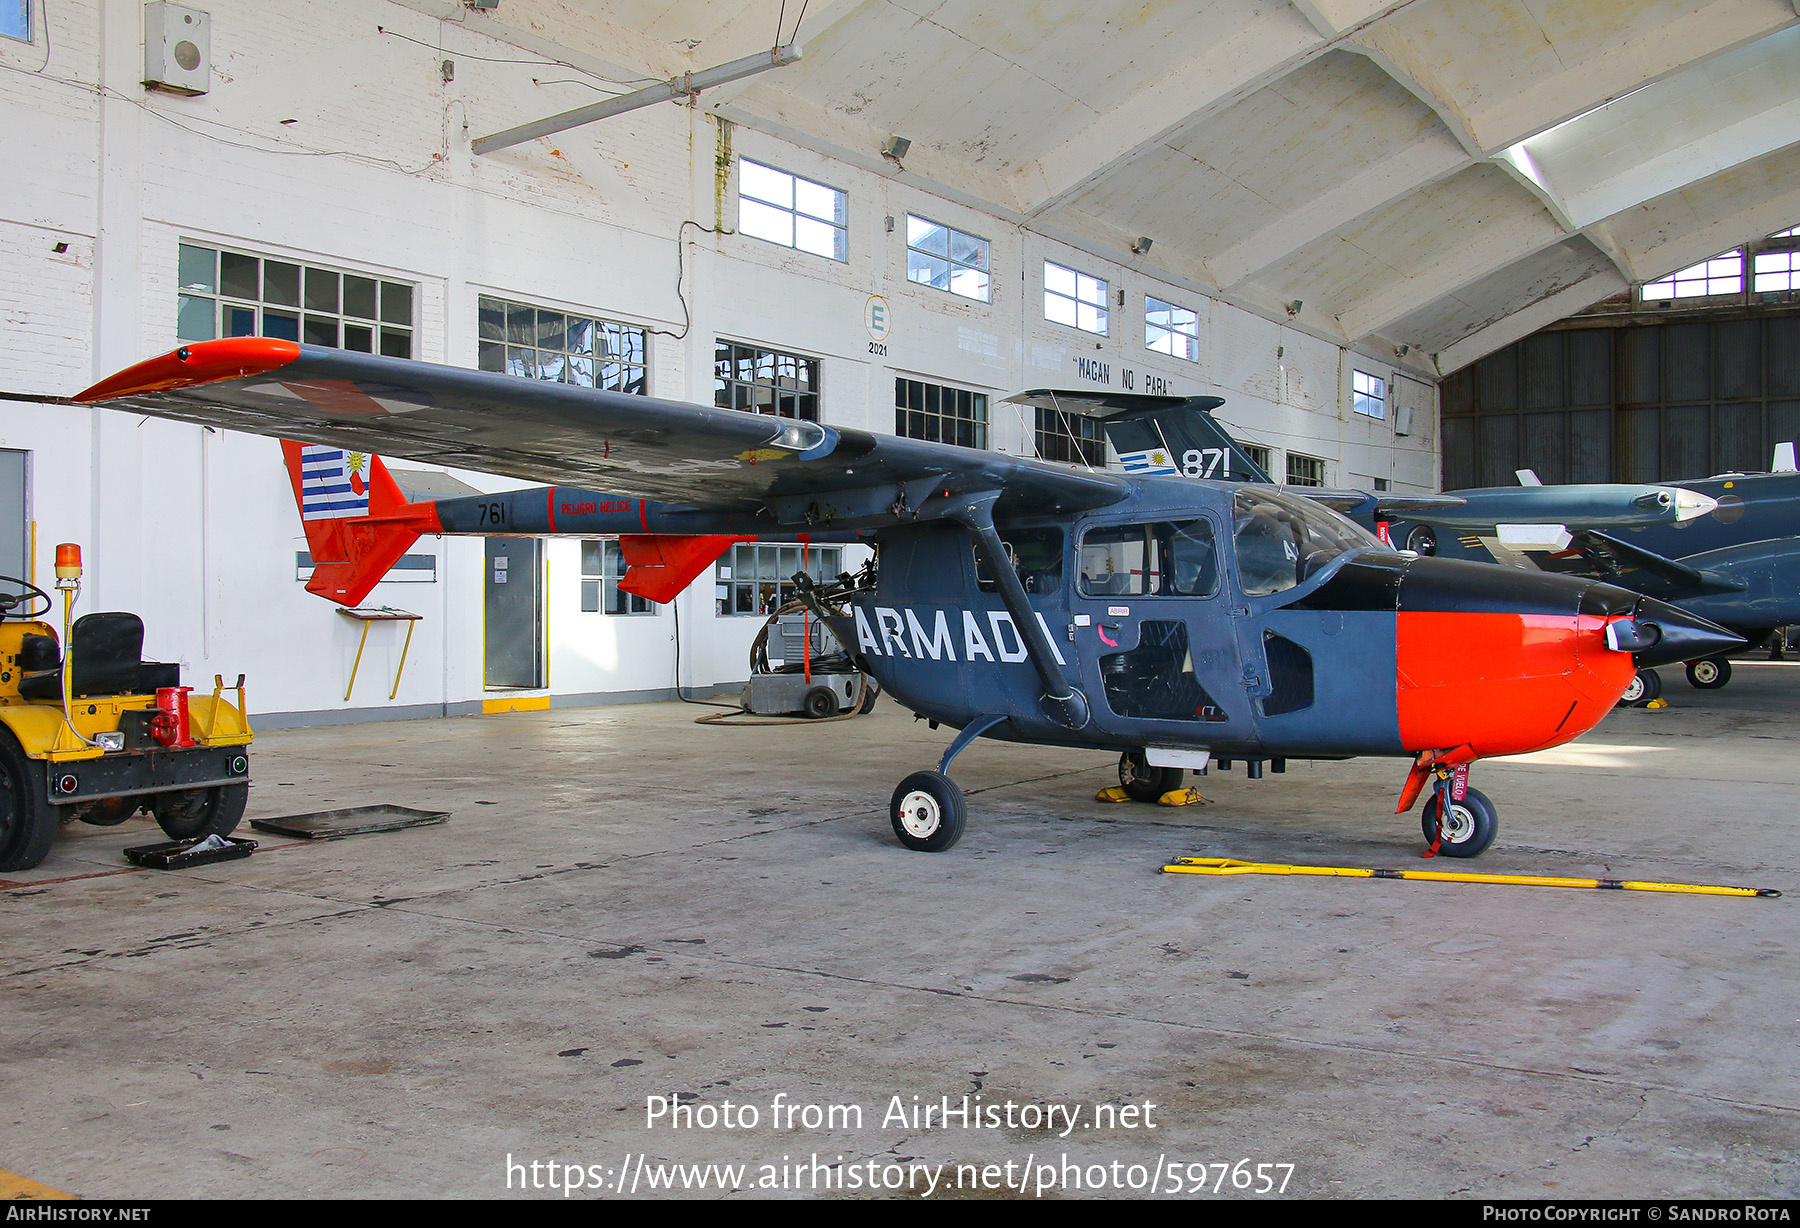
(1220, 866)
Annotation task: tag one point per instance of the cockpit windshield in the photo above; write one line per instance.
(1283, 539)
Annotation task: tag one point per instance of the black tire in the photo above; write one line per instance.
(1645, 686)
(871, 693)
(1709, 674)
(928, 812)
(1472, 825)
(821, 702)
(1144, 783)
(188, 814)
(28, 821)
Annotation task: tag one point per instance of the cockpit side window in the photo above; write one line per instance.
(1156, 559)
(1036, 554)
(1283, 540)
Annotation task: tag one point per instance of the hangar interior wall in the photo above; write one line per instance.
(331, 138)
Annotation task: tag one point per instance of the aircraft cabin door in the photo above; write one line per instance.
(1156, 632)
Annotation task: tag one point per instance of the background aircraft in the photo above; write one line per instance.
(1736, 564)
(1181, 623)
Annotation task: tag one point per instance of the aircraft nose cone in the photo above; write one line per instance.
(1691, 505)
(1682, 636)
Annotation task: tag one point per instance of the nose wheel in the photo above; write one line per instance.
(1459, 828)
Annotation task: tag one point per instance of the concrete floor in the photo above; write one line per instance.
(625, 906)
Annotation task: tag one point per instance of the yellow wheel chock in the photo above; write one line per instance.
(1225, 866)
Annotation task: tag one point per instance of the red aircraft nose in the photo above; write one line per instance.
(1498, 661)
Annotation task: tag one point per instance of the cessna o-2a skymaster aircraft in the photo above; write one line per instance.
(1181, 623)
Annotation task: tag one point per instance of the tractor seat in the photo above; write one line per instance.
(108, 649)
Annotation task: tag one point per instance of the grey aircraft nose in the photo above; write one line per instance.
(1681, 636)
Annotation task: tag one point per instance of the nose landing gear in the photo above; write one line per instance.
(1459, 828)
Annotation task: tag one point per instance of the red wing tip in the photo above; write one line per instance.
(201, 362)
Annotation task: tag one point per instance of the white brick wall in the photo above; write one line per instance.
(196, 530)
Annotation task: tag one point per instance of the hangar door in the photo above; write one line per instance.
(512, 614)
(1627, 403)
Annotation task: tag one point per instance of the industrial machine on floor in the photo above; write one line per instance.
(1177, 622)
(797, 667)
(96, 733)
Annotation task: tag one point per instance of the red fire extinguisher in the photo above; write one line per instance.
(170, 724)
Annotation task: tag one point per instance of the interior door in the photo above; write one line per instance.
(15, 522)
(512, 614)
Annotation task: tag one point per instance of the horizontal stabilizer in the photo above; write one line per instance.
(660, 567)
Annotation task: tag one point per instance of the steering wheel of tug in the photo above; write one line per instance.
(10, 602)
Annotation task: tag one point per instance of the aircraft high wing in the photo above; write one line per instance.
(757, 472)
(1184, 624)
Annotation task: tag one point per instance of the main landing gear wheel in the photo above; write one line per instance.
(1143, 782)
(1645, 686)
(189, 813)
(28, 822)
(1709, 675)
(1470, 828)
(928, 812)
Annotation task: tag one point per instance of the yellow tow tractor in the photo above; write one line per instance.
(96, 733)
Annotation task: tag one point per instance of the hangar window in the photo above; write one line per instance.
(1777, 271)
(759, 579)
(1074, 299)
(1368, 394)
(537, 343)
(946, 259)
(1723, 274)
(778, 207)
(231, 294)
(763, 381)
(15, 19)
(1256, 452)
(1076, 438)
(602, 567)
(1171, 330)
(1305, 470)
(940, 414)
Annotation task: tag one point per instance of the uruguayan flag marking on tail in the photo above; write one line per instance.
(329, 489)
(1152, 460)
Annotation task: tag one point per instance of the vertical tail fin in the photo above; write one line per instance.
(1182, 438)
(358, 523)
